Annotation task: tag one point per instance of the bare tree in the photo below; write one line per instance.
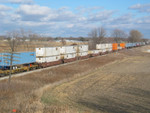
(97, 36)
(135, 36)
(102, 34)
(94, 39)
(63, 41)
(118, 35)
(13, 42)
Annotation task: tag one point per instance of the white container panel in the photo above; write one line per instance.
(70, 49)
(69, 56)
(119, 48)
(110, 49)
(62, 50)
(40, 60)
(95, 51)
(52, 51)
(100, 46)
(83, 54)
(104, 50)
(40, 51)
(83, 48)
(48, 59)
(48, 51)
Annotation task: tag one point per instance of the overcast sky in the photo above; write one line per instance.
(74, 17)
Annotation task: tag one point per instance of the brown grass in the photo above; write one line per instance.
(30, 46)
(25, 92)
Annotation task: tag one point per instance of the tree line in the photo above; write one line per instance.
(98, 35)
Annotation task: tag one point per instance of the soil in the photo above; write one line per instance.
(119, 87)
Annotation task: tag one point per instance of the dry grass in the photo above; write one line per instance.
(30, 46)
(25, 92)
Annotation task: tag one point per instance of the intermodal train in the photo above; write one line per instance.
(50, 56)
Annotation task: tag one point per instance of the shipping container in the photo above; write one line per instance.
(47, 51)
(100, 46)
(20, 58)
(83, 55)
(70, 57)
(68, 49)
(122, 45)
(95, 52)
(48, 59)
(82, 48)
(128, 45)
(114, 46)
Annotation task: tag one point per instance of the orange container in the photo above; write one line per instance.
(114, 46)
(122, 45)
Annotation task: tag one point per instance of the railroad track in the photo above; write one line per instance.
(38, 70)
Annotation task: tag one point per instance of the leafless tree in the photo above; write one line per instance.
(145, 40)
(13, 42)
(118, 35)
(135, 36)
(94, 39)
(97, 36)
(102, 33)
(63, 41)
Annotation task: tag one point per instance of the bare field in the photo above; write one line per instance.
(115, 83)
(31, 45)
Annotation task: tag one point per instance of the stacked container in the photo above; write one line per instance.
(48, 56)
(122, 45)
(108, 47)
(94, 53)
(82, 51)
(101, 47)
(68, 53)
(114, 46)
(128, 45)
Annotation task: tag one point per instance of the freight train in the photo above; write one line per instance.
(50, 56)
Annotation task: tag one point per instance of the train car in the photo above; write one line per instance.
(22, 61)
(114, 47)
(102, 48)
(47, 51)
(128, 45)
(19, 58)
(68, 49)
(122, 45)
(69, 53)
(83, 55)
(82, 48)
(93, 53)
(44, 62)
(70, 57)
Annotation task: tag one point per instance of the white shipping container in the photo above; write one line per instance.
(95, 51)
(109, 46)
(103, 50)
(69, 56)
(62, 50)
(48, 59)
(68, 49)
(82, 48)
(83, 53)
(100, 46)
(119, 48)
(110, 49)
(47, 51)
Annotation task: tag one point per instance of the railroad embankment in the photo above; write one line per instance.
(117, 82)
